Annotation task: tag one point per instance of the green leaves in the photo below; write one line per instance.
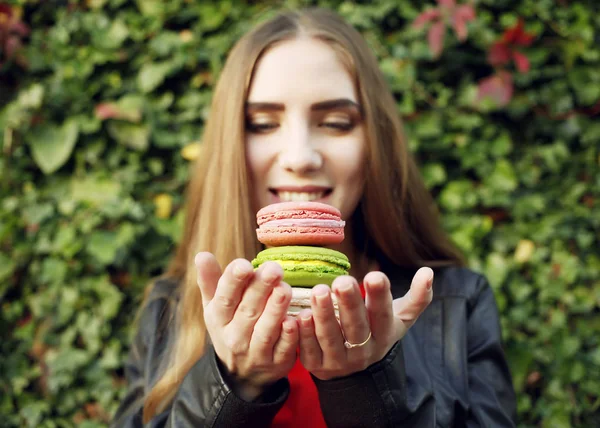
(91, 145)
(502, 178)
(52, 145)
(131, 135)
(151, 75)
(103, 246)
(95, 190)
(7, 267)
(150, 8)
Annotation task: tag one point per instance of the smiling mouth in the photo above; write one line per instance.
(300, 196)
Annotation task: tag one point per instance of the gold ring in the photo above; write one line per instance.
(349, 345)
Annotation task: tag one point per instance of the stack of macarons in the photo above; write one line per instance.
(296, 234)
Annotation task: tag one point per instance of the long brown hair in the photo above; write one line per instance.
(396, 218)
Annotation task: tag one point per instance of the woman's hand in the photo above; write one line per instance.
(379, 321)
(245, 315)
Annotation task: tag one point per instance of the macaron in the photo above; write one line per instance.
(301, 300)
(305, 266)
(299, 223)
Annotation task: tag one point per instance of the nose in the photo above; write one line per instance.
(299, 154)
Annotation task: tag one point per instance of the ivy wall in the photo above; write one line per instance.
(102, 103)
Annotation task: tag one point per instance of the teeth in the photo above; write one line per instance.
(300, 196)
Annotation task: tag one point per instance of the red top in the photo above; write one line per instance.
(302, 408)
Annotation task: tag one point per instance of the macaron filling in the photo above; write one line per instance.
(303, 222)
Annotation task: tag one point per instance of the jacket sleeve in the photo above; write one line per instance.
(383, 395)
(491, 393)
(203, 399)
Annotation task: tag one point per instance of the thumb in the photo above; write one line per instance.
(208, 273)
(408, 308)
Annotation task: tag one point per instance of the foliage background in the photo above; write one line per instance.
(102, 104)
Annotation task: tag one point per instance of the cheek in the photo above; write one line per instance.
(351, 161)
(256, 160)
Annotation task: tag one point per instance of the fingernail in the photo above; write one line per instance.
(321, 296)
(288, 328)
(345, 287)
(305, 318)
(374, 280)
(279, 296)
(430, 282)
(238, 271)
(321, 291)
(269, 278)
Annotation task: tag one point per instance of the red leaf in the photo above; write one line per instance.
(12, 45)
(521, 61)
(460, 28)
(435, 38)
(524, 38)
(511, 34)
(466, 12)
(450, 4)
(460, 17)
(24, 321)
(425, 17)
(6, 10)
(19, 27)
(105, 111)
(517, 35)
(498, 87)
(499, 54)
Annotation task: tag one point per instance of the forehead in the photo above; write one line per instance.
(301, 70)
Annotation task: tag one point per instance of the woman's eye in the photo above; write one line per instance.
(261, 127)
(339, 126)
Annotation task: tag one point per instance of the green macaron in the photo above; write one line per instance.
(305, 266)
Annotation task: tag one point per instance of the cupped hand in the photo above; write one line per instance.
(322, 337)
(246, 317)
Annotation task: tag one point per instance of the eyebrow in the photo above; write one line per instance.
(320, 106)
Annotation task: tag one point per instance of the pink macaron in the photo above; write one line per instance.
(299, 223)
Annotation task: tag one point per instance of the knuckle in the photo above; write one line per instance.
(249, 312)
(225, 302)
(280, 355)
(311, 353)
(264, 338)
(278, 301)
(336, 366)
(236, 344)
(424, 301)
(306, 334)
(327, 341)
(351, 305)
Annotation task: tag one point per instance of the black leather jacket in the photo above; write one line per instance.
(449, 370)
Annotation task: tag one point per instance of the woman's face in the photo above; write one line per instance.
(304, 132)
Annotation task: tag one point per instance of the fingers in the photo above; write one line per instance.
(327, 328)
(379, 304)
(208, 274)
(255, 297)
(353, 313)
(230, 289)
(286, 346)
(311, 355)
(268, 327)
(408, 308)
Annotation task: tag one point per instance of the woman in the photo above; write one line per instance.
(302, 112)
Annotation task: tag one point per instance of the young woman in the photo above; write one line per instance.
(302, 112)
